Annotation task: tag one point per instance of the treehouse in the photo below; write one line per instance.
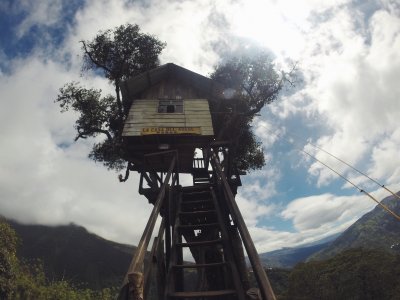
(169, 110)
(169, 119)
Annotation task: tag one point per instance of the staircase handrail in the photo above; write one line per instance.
(261, 277)
(139, 255)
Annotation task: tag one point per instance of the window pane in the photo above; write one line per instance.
(170, 106)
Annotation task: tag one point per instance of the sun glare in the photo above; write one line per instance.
(274, 26)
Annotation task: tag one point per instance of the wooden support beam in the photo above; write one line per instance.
(138, 258)
(261, 276)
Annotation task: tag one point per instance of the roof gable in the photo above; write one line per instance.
(205, 87)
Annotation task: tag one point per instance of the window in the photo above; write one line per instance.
(170, 106)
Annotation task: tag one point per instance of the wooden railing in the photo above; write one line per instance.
(198, 163)
(263, 283)
(134, 284)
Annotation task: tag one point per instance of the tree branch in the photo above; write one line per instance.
(94, 60)
(119, 102)
(128, 168)
(84, 134)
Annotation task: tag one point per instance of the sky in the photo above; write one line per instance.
(347, 102)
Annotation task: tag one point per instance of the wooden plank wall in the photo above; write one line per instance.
(170, 89)
(144, 113)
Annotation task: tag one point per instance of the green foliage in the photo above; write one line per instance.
(253, 79)
(253, 83)
(70, 252)
(8, 259)
(110, 152)
(117, 54)
(279, 279)
(122, 52)
(248, 152)
(97, 114)
(21, 280)
(353, 274)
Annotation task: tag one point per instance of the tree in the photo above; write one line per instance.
(352, 274)
(253, 82)
(124, 52)
(117, 54)
(8, 260)
(22, 280)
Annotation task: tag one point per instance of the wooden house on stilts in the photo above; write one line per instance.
(198, 252)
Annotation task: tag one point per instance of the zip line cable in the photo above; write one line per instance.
(355, 169)
(356, 186)
(347, 180)
(342, 161)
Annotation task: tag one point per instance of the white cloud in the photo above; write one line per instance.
(337, 144)
(42, 13)
(184, 25)
(253, 210)
(350, 74)
(350, 69)
(268, 132)
(42, 183)
(314, 218)
(385, 159)
(325, 211)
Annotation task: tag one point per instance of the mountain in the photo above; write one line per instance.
(375, 230)
(352, 274)
(71, 252)
(289, 257)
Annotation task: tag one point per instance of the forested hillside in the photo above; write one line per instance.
(20, 279)
(70, 252)
(375, 230)
(354, 274)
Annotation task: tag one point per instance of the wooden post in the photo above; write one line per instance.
(138, 258)
(136, 285)
(168, 218)
(149, 270)
(240, 257)
(262, 279)
(154, 259)
(161, 272)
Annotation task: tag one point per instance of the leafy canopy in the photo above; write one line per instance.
(352, 274)
(254, 80)
(117, 54)
(123, 52)
(253, 83)
(8, 259)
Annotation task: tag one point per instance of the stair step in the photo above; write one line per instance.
(196, 266)
(197, 213)
(202, 294)
(199, 226)
(199, 243)
(201, 201)
(201, 175)
(197, 208)
(201, 179)
(205, 204)
(195, 192)
(200, 170)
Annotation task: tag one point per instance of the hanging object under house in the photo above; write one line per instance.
(168, 132)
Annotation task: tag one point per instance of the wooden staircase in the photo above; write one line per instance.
(199, 227)
(200, 223)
